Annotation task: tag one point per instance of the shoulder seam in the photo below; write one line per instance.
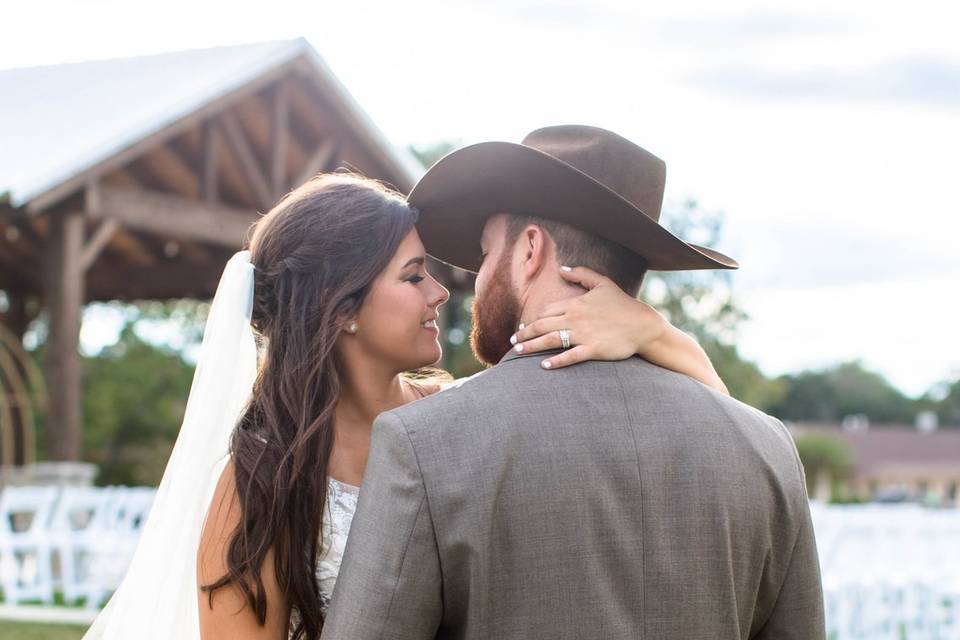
(636, 452)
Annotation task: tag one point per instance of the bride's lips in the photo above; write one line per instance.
(431, 326)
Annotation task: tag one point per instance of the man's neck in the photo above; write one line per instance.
(541, 295)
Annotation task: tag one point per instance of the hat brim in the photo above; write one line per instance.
(457, 195)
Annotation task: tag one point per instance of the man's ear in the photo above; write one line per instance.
(535, 247)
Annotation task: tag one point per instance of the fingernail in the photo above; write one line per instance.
(513, 339)
(565, 269)
(522, 326)
(519, 348)
(545, 364)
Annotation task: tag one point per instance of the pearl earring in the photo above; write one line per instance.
(352, 328)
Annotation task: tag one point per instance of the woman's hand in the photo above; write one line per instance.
(607, 324)
(604, 324)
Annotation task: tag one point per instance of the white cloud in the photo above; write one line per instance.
(907, 330)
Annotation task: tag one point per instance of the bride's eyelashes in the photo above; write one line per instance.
(417, 278)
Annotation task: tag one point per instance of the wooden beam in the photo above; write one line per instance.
(233, 185)
(211, 147)
(316, 116)
(193, 252)
(64, 189)
(92, 198)
(64, 289)
(255, 116)
(345, 109)
(135, 251)
(167, 167)
(296, 154)
(318, 161)
(172, 279)
(121, 178)
(132, 248)
(281, 139)
(191, 144)
(172, 216)
(248, 160)
(98, 242)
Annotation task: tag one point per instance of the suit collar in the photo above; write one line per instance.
(513, 355)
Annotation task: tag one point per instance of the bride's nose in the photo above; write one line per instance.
(439, 295)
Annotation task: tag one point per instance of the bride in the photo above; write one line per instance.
(313, 332)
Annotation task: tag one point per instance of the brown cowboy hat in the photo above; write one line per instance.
(587, 177)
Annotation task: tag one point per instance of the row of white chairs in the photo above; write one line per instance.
(889, 571)
(76, 541)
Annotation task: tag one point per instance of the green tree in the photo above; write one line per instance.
(831, 394)
(823, 454)
(744, 379)
(428, 154)
(458, 358)
(698, 302)
(948, 408)
(702, 303)
(135, 391)
(135, 394)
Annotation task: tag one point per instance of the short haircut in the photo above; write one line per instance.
(578, 248)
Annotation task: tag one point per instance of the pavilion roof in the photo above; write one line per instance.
(56, 122)
(170, 158)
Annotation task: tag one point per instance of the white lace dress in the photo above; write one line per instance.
(337, 516)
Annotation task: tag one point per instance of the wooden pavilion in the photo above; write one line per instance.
(138, 178)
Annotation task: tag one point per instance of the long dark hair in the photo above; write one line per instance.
(316, 254)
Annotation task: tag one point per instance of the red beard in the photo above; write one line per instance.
(496, 315)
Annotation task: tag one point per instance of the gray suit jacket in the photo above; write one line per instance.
(605, 500)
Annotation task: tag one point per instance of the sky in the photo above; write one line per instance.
(827, 133)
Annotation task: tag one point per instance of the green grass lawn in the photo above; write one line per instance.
(32, 631)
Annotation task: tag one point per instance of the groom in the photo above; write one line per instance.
(604, 500)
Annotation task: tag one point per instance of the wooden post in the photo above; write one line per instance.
(248, 159)
(211, 162)
(64, 292)
(18, 441)
(318, 161)
(281, 141)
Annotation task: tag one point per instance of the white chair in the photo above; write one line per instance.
(112, 552)
(25, 569)
(78, 523)
(889, 570)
